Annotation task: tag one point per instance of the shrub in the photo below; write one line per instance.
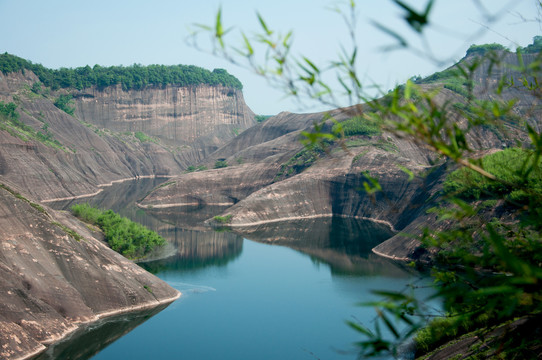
(261, 118)
(359, 126)
(223, 219)
(126, 237)
(220, 164)
(64, 103)
(142, 136)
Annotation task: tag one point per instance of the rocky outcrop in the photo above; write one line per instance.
(259, 192)
(56, 276)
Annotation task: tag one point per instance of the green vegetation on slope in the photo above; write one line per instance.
(299, 162)
(10, 122)
(452, 79)
(359, 125)
(485, 48)
(64, 103)
(130, 77)
(126, 237)
(517, 181)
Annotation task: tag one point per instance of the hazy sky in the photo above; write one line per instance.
(72, 33)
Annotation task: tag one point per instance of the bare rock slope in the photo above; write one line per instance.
(275, 179)
(55, 276)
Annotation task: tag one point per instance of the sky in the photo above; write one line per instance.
(73, 33)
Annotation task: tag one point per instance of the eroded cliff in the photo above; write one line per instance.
(114, 134)
(201, 118)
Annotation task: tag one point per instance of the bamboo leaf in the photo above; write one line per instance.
(264, 25)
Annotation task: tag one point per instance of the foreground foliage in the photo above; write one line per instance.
(486, 254)
(10, 121)
(126, 237)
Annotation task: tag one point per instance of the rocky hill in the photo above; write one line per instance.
(56, 276)
(271, 177)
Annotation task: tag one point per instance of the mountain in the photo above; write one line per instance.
(112, 133)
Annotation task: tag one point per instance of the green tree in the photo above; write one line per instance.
(486, 263)
(65, 103)
(129, 77)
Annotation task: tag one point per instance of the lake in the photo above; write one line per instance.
(278, 291)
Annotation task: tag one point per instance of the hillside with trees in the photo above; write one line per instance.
(130, 77)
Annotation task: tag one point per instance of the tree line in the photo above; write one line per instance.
(130, 77)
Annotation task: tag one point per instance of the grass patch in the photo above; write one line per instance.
(141, 136)
(193, 168)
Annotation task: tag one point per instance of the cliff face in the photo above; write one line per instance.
(98, 145)
(200, 117)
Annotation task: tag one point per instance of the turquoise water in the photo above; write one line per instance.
(245, 299)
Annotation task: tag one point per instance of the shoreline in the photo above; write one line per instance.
(101, 186)
(391, 257)
(306, 217)
(167, 206)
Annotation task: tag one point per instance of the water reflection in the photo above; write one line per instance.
(231, 286)
(190, 244)
(90, 340)
(342, 243)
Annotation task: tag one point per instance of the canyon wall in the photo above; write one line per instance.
(198, 117)
(56, 274)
